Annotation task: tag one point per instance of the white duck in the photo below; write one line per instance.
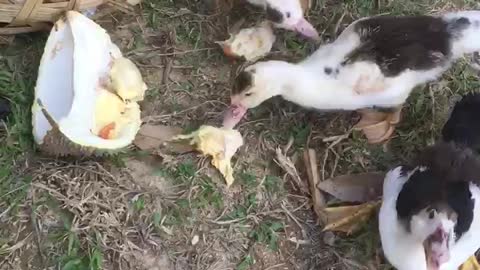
(375, 63)
(430, 213)
(288, 14)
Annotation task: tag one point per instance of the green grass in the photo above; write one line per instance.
(267, 233)
(17, 78)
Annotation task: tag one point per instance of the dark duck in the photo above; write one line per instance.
(372, 67)
(430, 213)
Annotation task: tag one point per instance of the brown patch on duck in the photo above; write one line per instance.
(364, 85)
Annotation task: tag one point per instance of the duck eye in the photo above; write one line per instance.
(248, 94)
(431, 214)
(288, 14)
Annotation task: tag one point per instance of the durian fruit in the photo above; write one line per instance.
(71, 107)
(126, 80)
(112, 114)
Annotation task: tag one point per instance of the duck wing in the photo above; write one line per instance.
(396, 44)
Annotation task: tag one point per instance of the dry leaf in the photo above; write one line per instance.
(219, 143)
(470, 264)
(348, 219)
(310, 159)
(306, 5)
(363, 187)
(153, 137)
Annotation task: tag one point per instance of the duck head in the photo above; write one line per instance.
(252, 87)
(434, 228)
(288, 14)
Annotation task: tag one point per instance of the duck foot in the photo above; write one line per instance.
(378, 126)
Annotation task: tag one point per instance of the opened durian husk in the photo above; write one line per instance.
(64, 108)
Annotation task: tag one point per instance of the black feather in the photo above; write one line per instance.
(274, 15)
(243, 81)
(463, 126)
(5, 109)
(407, 42)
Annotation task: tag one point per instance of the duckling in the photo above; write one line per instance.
(289, 15)
(430, 213)
(251, 43)
(374, 64)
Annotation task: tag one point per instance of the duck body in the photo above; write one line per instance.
(374, 63)
(430, 213)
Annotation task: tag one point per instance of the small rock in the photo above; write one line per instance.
(195, 239)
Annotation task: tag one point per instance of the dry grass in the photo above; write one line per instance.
(134, 211)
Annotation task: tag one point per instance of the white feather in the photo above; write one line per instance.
(401, 249)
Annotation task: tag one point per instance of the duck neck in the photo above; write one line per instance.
(310, 87)
(287, 76)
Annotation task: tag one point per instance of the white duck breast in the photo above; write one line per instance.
(430, 214)
(375, 62)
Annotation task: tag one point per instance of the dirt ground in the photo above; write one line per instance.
(166, 212)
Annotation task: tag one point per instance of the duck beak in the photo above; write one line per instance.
(233, 115)
(306, 28)
(437, 250)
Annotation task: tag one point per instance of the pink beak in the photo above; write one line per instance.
(233, 115)
(436, 249)
(306, 28)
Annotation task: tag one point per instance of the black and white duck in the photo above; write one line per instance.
(372, 67)
(289, 15)
(430, 213)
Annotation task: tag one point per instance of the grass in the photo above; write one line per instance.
(98, 214)
(16, 83)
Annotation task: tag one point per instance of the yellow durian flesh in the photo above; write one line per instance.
(126, 80)
(219, 143)
(108, 109)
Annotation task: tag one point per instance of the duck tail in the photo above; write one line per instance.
(464, 26)
(463, 125)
